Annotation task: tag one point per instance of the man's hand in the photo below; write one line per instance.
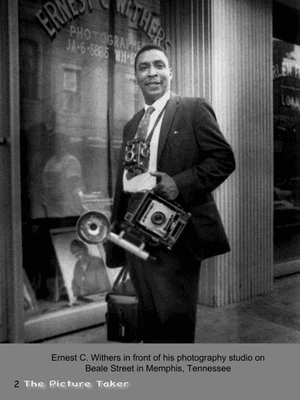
(166, 186)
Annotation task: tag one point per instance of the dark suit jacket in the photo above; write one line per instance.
(195, 153)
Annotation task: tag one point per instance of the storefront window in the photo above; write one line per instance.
(77, 91)
(286, 78)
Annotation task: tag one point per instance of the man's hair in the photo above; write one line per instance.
(149, 47)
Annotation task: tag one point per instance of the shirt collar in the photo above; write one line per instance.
(160, 103)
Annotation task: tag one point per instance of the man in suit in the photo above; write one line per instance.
(189, 158)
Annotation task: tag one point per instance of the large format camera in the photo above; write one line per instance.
(155, 221)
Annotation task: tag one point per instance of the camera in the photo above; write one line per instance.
(137, 153)
(156, 221)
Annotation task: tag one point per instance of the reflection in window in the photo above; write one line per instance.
(286, 86)
(29, 69)
(71, 86)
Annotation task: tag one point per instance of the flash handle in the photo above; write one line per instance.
(138, 251)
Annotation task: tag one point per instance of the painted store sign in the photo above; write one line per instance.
(56, 14)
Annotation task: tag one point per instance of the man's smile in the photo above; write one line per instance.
(152, 83)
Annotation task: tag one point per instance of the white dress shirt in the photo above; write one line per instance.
(145, 181)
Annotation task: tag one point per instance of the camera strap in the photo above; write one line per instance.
(120, 278)
(149, 137)
(122, 284)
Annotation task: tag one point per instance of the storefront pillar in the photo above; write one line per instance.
(242, 99)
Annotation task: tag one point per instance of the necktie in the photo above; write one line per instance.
(144, 124)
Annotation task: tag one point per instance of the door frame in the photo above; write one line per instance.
(10, 218)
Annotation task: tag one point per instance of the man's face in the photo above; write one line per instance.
(153, 75)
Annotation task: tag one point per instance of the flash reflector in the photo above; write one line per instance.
(93, 227)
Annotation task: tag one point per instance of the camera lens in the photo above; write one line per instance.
(145, 152)
(158, 218)
(129, 147)
(129, 156)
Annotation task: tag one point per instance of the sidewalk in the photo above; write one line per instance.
(274, 318)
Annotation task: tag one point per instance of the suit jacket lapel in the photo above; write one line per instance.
(134, 124)
(167, 123)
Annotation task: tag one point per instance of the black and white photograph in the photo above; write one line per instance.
(82, 267)
(150, 190)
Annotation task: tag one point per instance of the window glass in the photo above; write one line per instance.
(286, 80)
(77, 90)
